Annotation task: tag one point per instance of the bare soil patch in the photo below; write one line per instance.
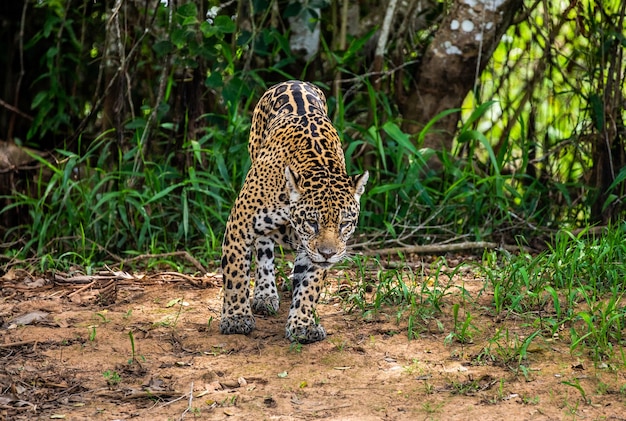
(149, 348)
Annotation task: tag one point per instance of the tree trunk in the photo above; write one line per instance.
(304, 39)
(461, 48)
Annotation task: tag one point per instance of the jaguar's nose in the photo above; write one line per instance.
(327, 252)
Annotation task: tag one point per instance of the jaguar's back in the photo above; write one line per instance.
(292, 98)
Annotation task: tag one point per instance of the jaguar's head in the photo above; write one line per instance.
(324, 211)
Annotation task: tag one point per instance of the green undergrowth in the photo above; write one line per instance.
(465, 197)
(572, 293)
(162, 181)
(105, 206)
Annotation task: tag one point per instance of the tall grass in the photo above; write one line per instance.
(473, 195)
(92, 207)
(96, 205)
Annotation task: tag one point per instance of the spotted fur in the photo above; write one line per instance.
(297, 194)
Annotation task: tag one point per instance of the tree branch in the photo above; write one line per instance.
(444, 248)
(381, 45)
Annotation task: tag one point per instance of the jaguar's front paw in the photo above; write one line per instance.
(305, 334)
(265, 305)
(242, 324)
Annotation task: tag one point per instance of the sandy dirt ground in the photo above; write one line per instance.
(148, 348)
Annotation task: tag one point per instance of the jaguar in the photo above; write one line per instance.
(297, 194)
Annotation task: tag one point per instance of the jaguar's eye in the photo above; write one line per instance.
(313, 225)
(345, 225)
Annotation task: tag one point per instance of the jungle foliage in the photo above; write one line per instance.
(130, 122)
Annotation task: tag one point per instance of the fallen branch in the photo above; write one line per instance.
(189, 407)
(147, 394)
(194, 281)
(20, 343)
(78, 291)
(89, 279)
(184, 254)
(444, 248)
(141, 394)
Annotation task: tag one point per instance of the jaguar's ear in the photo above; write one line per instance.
(292, 184)
(359, 184)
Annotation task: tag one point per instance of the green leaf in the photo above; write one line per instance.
(609, 199)
(403, 139)
(621, 176)
(468, 135)
(137, 123)
(214, 80)
(224, 24)
(43, 161)
(185, 212)
(524, 348)
(69, 167)
(173, 302)
(292, 9)
(39, 98)
(426, 129)
(244, 38)
(562, 188)
(187, 10)
(162, 48)
(207, 29)
(189, 20)
(555, 300)
(478, 113)
(197, 151)
(377, 140)
(384, 188)
(162, 193)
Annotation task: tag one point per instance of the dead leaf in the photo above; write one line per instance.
(229, 384)
(28, 318)
(213, 386)
(35, 283)
(9, 276)
(155, 384)
(173, 302)
(5, 400)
